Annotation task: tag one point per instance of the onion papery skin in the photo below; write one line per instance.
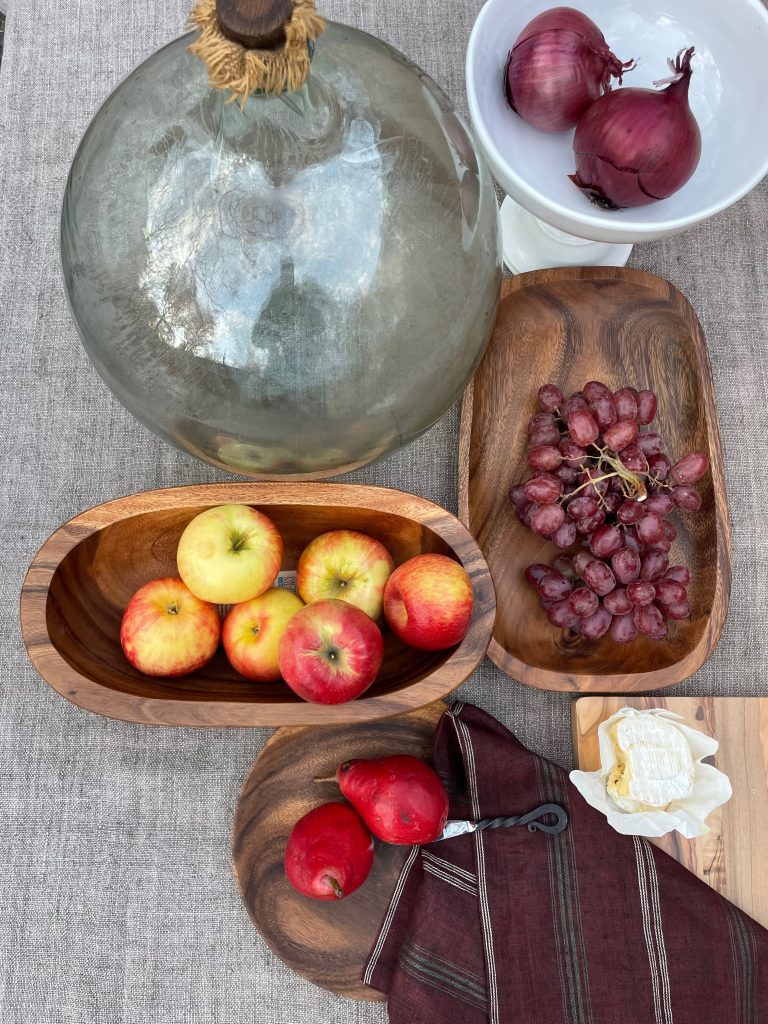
(637, 146)
(559, 65)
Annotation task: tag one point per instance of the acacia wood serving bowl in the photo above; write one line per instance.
(81, 579)
(570, 325)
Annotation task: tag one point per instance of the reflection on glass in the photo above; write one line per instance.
(290, 289)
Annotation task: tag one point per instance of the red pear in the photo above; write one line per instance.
(400, 798)
(329, 853)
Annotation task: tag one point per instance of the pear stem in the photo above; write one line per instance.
(325, 778)
(337, 890)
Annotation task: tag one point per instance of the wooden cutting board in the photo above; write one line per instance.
(733, 857)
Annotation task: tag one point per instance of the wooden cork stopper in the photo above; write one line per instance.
(255, 24)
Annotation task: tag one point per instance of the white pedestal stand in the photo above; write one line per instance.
(531, 244)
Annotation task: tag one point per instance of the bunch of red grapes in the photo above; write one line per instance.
(601, 483)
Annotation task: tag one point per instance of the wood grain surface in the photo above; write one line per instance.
(257, 24)
(327, 943)
(569, 326)
(81, 579)
(732, 857)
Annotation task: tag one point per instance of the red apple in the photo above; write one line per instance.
(229, 554)
(330, 652)
(251, 632)
(167, 631)
(329, 853)
(346, 565)
(428, 602)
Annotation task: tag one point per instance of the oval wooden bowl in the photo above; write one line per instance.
(326, 942)
(568, 326)
(83, 576)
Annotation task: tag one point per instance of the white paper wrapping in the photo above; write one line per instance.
(711, 787)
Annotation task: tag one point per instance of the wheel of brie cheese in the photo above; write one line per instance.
(654, 764)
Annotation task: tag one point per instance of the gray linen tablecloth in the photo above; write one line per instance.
(117, 903)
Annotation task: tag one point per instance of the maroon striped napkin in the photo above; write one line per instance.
(587, 927)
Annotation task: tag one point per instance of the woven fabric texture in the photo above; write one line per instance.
(117, 902)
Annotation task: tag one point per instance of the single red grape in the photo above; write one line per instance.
(596, 625)
(570, 405)
(582, 506)
(550, 397)
(681, 610)
(603, 410)
(653, 566)
(544, 435)
(686, 497)
(588, 524)
(596, 389)
(553, 586)
(625, 401)
(623, 629)
(544, 487)
(536, 571)
(661, 503)
(639, 592)
(626, 565)
(630, 512)
(670, 592)
(659, 466)
(582, 426)
(598, 577)
(621, 435)
(650, 528)
(606, 540)
(650, 444)
(541, 419)
(633, 459)
(670, 531)
(583, 602)
(617, 602)
(565, 535)
(690, 468)
(679, 573)
(566, 473)
(611, 501)
(547, 518)
(517, 496)
(561, 615)
(545, 457)
(650, 621)
(646, 407)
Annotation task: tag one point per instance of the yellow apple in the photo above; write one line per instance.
(167, 631)
(229, 554)
(347, 566)
(252, 631)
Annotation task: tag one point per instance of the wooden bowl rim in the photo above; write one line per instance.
(84, 691)
(635, 682)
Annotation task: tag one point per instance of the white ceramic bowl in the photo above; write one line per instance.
(728, 96)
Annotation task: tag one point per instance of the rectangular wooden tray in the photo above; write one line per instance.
(732, 857)
(571, 325)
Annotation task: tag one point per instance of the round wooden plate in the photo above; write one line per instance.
(327, 943)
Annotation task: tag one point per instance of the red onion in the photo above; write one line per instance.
(560, 63)
(635, 146)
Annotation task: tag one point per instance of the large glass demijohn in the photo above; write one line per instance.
(294, 283)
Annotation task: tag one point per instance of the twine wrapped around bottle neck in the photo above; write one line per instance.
(243, 71)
